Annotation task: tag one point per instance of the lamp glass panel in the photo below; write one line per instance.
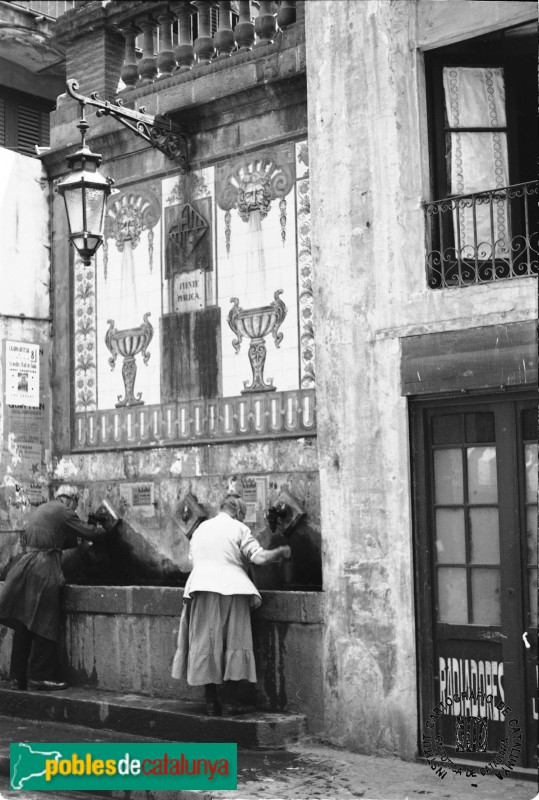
(93, 242)
(86, 243)
(74, 209)
(79, 242)
(95, 202)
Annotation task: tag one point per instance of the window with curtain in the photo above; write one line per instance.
(482, 99)
(476, 137)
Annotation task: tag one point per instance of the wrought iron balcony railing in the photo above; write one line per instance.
(482, 237)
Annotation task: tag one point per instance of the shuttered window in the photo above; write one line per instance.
(24, 122)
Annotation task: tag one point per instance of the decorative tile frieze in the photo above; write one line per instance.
(290, 413)
(128, 215)
(85, 337)
(250, 185)
(305, 268)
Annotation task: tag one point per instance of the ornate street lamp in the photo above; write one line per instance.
(85, 192)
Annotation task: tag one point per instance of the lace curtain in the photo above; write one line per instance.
(475, 98)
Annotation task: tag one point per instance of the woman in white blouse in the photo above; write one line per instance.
(215, 642)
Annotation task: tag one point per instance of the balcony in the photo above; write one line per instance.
(147, 42)
(482, 237)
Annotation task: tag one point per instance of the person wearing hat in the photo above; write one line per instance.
(215, 642)
(30, 597)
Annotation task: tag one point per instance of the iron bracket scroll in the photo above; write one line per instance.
(162, 133)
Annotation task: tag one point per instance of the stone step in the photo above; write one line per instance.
(169, 720)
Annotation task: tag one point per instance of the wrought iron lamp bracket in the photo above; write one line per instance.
(158, 131)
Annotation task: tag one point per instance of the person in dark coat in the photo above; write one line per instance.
(30, 597)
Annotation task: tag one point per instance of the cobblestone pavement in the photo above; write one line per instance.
(323, 772)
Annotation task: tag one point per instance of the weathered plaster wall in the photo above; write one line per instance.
(151, 541)
(367, 128)
(124, 640)
(24, 232)
(25, 456)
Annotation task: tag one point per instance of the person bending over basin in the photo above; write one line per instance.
(215, 641)
(30, 597)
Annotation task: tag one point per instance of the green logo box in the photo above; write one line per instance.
(58, 766)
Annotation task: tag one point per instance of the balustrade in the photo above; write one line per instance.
(483, 237)
(168, 43)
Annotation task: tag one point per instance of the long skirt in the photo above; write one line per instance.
(215, 642)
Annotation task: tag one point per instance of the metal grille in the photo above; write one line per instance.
(482, 237)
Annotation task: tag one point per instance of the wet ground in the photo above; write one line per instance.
(304, 771)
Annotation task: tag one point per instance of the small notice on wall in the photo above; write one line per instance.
(22, 374)
(140, 497)
(253, 493)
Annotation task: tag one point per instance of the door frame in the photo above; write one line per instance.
(507, 403)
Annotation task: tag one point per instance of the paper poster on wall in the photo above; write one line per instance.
(22, 374)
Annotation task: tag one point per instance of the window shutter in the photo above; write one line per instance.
(45, 129)
(28, 130)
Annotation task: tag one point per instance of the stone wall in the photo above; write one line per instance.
(25, 449)
(123, 639)
(150, 548)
